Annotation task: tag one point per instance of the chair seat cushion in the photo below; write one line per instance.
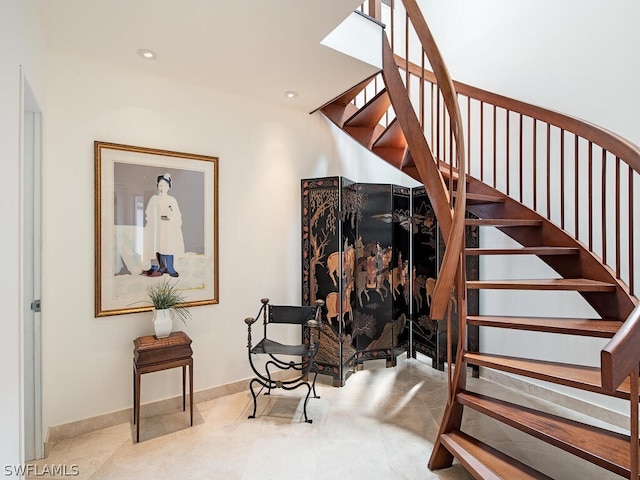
(275, 348)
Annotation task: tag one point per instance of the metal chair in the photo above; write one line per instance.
(280, 354)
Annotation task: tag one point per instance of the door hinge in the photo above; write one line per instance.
(35, 306)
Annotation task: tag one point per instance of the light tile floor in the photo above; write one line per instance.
(380, 425)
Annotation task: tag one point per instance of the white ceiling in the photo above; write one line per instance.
(254, 48)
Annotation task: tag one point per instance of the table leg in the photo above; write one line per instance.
(134, 394)
(137, 407)
(184, 374)
(191, 390)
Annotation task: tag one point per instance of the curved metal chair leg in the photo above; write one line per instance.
(255, 398)
(306, 400)
(313, 386)
(270, 383)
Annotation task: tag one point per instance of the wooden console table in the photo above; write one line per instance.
(151, 354)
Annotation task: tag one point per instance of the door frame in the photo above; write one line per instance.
(30, 157)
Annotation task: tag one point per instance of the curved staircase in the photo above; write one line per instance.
(381, 115)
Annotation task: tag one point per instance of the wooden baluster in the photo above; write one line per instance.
(441, 134)
(618, 243)
(482, 141)
(451, 390)
(590, 196)
(444, 141)
(495, 149)
(406, 54)
(604, 206)
(437, 125)
(393, 29)
(433, 116)
(576, 187)
(452, 155)
(535, 165)
(460, 296)
(448, 159)
(634, 423)
(507, 156)
(562, 179)
(375, 9)
(548, 171)
(520, 160)
(469, 135)
(422, 102)
(631, 235)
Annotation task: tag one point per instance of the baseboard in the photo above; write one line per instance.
(581, 406)
(87, 425)
(68, 430)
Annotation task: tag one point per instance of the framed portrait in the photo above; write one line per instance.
(156, 220)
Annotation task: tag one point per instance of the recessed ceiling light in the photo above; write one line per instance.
(146, 53)
(290, 94)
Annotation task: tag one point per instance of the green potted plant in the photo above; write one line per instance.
(168, 303)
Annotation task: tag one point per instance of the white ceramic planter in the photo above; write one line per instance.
(162, 322)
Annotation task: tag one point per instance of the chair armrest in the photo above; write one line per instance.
(315, 323)
(249, 321)
(317, 320)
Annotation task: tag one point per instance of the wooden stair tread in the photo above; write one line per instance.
(370, 114)
(503, 222)
(576, 376)
(350, 94)
(411, 170)
(570, 326)
(409, 162)
(479, 198)
(392, 155)
(392, 137)
(540, 251)
(338, 114)
(571, 284)
(484, 461)
(607, 449)
(366, 136)
(446, 171)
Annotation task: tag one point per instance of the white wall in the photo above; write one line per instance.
(264, 151)
(19, 45)
(577, 57)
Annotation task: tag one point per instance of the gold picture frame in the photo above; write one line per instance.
(156, 220)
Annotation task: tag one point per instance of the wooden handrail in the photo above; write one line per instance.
(455, 236)
(621, 354)
(406, 116)
(612, 142)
